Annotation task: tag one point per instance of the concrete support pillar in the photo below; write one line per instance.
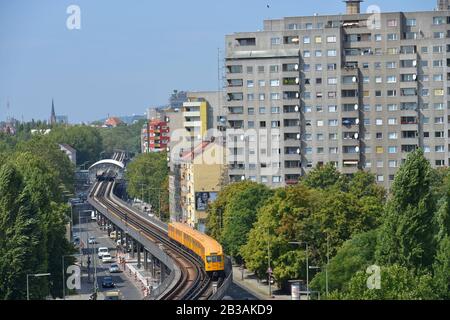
(138, 246)
(132, 248)
(145, 260)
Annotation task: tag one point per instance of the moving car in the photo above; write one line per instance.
(102, 251)
(114, 268)
(92, 240)
(106, 258)
(108, 282)
(113, 295)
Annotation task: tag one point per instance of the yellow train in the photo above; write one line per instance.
(208, 249)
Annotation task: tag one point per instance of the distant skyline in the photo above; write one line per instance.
(128, 55)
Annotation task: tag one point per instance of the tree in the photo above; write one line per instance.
(126, 138)
(441, 269)
(146, 176)
(86, 140)
(406, 235)
(20, 238)
(323, 177)
(355, 254)
(397, 283)
(240, 214)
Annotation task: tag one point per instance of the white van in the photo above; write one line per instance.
(93, 216)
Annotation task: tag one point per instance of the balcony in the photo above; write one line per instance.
(192, 124)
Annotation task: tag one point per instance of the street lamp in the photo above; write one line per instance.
(307, 265)
(37, 275)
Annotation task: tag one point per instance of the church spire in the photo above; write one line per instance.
(53, 114)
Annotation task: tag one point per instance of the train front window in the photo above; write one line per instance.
(214, 258)
(209, 259)
(219, 259)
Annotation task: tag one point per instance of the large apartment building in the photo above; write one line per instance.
(358, 90)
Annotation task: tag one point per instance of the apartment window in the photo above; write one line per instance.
(275, 96)
(379, 122)
(392, 51)
(392, 37)
(318, 67)
(440, 163)
(249, 69)
(332, 136)
(379, 150)
(391, 65)
(306, 40)
(392, 107)
(439, 149)
(378, 79)
(439, 20)
(318, 53)
(378, 107)
(392, 93)
(332, 81)
(318, 39)
(438, 49)
(274, 68)
(392, 23)
(251, 111)
(391, 79)
(250, 84)
(379, 135)
(426, 149)
(392, 121)
(262, 110)
(332, 53)
(437, 63)
(333, 150)
(320, 137)
(424, 50)
(333, 123)
(439, 134)
(378, 37)
(438, 106)
(332, 94)
(392, 150)
(260, 69)
(306, 54)
(366, 79)
(262, 96)
(411, 22)
(331, 39)
(438, 92)
(393, 164)
(438, 77)
(275, 41)
(331, 66)
(275, 110)
(332, 108)
(380, 164)
(275, 83)
(251, 124)
(439, 120)
(320, 123)
(262, 83)
(307, 109)
(380, 178)
(276, 179)
(392, 135)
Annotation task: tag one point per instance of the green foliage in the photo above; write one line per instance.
(242, 201)
(146, 176)
(126, 138)
(406, 235)
(20, 238)
(397, 283)
(354, 255)
(86, 140)
(441, 268)
(323, 177)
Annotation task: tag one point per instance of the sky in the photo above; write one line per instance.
(129, 54)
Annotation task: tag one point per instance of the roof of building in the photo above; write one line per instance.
(113, 122)
(67, 147)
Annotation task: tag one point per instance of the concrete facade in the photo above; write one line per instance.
(358, 90)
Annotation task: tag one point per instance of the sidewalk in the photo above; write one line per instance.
(255, 287)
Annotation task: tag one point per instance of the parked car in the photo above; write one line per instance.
(114, 268)
(102, 251)
(92, 240)
(113, 235)
(106, 258)
(93, 216)
(108, 282)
